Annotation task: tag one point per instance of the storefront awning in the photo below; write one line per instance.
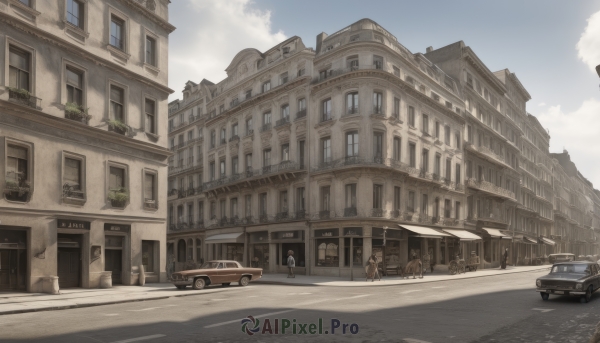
(226, 238)
(464, 235)
(529, 240)
(495, 233)
(424, 232)
(548, 241)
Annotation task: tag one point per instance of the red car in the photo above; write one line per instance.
(222, 272)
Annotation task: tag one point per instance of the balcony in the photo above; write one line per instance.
(266, 127)
(378, 111)
(351, 111)
(77, 113)
(357, 161)
(350, 212)
(23, 97)
(301, 114)
(249, 133)
(282, 216)
(487, 154)
(283, 121)
(324, 214)
(378, 212)
(234, 138)
(326, 116)
(17, 191)
(491, 189)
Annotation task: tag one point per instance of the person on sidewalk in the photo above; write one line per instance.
(504, 259)
(372, 268)
(291, 263)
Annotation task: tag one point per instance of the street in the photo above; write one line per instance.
(487, 309)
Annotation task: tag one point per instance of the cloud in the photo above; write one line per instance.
(576, 131)
(210, 33)
(542, 104)
(588, 47)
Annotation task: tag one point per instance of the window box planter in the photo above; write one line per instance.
(77, 112)
(118, 127)
(118, 197)
(17, 191)
(73, 192)
(23, 97)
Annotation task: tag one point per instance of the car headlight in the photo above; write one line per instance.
(538, 283)
(579, 286)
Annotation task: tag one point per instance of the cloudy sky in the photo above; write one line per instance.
(552, 46)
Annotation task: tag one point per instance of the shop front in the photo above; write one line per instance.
(495, 241)
(285, 241)
(462, 242)
(227, 246)
(386, 245)
(423, 240)
(260, 250)
(13, 259)
(72, 240)
(116, 251)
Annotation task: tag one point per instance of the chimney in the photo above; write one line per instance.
(429, 49)
(320, 37)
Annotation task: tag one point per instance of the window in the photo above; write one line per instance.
(378, 196)
(397, 149)
(222, 209)
(301, 147)
(285, 152)
(212, 170)
(285, 113)
(327, 252)
(234, 130)
(74, 81)
(73, 178)
(248, 205)
(150, 108)
(457, 135)
(249, 129)
(377, 103)
(234, 165)
(74, 13)
(116, 32)
(283, 202)
(352, 144)
(325, 192)
(248, 162)
(352, 103)
(233, 203)
(326, 150)
(469, 134)
(396, 108)
(410, 206)
(118, 193)
(437, 130)
(150, 189)
(248, 94)
(447, 208)
(300, 204)
(222, 168)
(396, 71)
(424, 204)
(263, 204)
(301, 104)
(425, 160)
(117, 100)
(223, 136)
(457, 171)
(26, 2)
(378, 145)
(326, 110)
(148, 248)
(426, 124)
(457, 210)
(411, 116)
(352, 62)
(437, 165)
(378, 62)
(266, 157)
(412, 154)
(266, 86)
(213, 139)
(150, 51)
(266, 118)
(19, 67)
(447, 134)
(351, 196)
(448, 169)
(301, 71)
(213, 210)
(397, 198)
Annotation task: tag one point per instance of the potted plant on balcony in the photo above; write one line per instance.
(17, 190)
(77, 112)
(19, 93)
(118, 126)
(118, 197)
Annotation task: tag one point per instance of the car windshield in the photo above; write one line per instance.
(210, 265)
(569, 268)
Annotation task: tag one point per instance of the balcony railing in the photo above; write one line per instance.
(361, 161)
(324, 214)
(486, 152)
(285, 166)
(249, 133)
(490, 188)
(377, 212)
(351, 110)
(282, 121)
(234, 138)
(350, 212)
(266, 127)
(23, 97)
(301, 114)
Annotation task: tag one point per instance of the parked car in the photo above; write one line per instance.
(564, 257)
(579, 278)
(222, 272)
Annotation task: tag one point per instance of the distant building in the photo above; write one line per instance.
(83, 142)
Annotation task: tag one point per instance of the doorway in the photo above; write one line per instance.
(13, 260)
(113, 261)
(69, 260)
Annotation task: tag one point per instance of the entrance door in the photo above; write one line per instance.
(69, 267)
(8, 269)
(114, 263)
(414, 245)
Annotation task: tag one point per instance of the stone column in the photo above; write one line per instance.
(367, 244)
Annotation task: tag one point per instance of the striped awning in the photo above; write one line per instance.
(548, 241)
(496, 233)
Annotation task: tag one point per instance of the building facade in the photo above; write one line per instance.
(83, 142)
(357, 147)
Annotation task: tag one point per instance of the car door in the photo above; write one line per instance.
(219, 274)
(233, 272)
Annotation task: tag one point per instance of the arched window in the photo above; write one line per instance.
(199, 258)
(181, 251)
(190, 250)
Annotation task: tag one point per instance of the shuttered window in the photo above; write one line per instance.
(72, 173)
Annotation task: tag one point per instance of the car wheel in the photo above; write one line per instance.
(226, 284)
(181, 287)
(199, 283)
(244, 281)
(587, 297)
(545, 296)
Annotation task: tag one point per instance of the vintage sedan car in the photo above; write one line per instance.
(580, 278)
(564, 257)
(222, 272)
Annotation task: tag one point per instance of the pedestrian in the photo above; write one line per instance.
(291, 263)
(504, 259)
(372, 268)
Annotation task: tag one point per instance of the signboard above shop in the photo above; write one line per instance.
(117, 228)
(72, 224)
(327, 233)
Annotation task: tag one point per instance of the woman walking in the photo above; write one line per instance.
(291, 263)
(372, 268)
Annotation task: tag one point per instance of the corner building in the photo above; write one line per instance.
(83, 142)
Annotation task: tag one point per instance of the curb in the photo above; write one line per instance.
(67, 307)
(390, 285)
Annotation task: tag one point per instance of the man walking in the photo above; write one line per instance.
(291, 263)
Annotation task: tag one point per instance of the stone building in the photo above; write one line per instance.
(83, 142)
(357, 147)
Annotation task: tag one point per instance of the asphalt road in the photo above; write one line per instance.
(488, 309)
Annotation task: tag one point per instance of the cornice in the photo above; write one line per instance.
(64, 44)
(88, 216)
(155, 18)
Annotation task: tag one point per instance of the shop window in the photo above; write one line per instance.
(356, 253)
(327, 252)
(298, 249)
(149, 255)
(190, 250)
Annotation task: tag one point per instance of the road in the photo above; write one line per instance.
(487, 309)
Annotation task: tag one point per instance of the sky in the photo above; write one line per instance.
(552, 46)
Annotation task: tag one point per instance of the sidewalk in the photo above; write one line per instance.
(15, 302)
(393, 280)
